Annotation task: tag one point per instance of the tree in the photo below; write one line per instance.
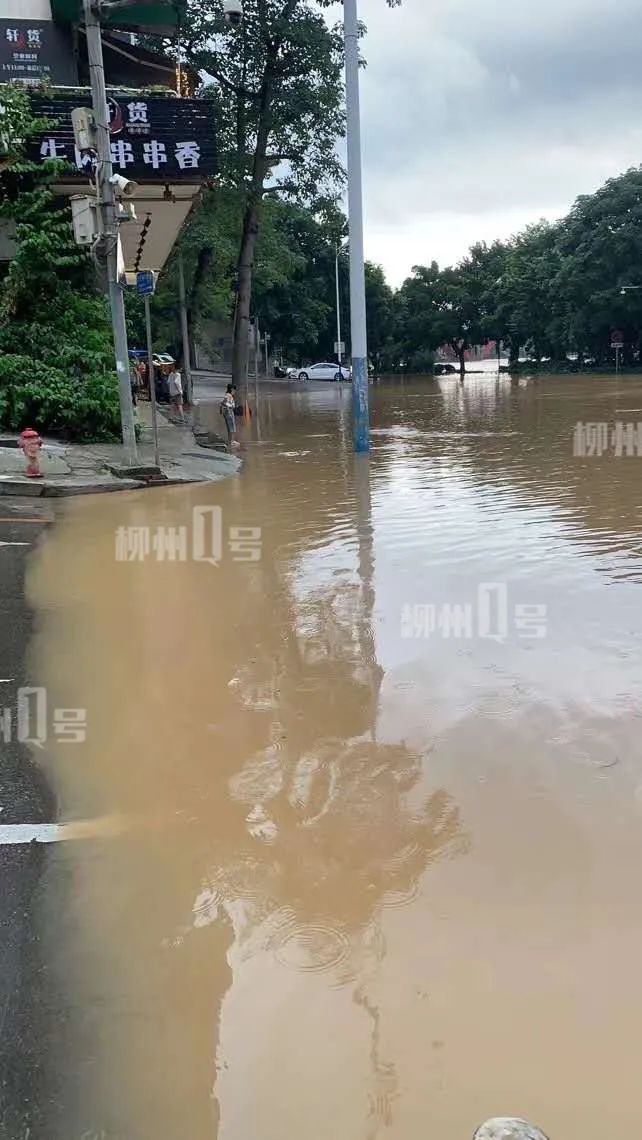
(527, 294)
(459, 319)
(380, 311)
(56, 352)
(490, 265)
(599, 251)
(279, 91)
(418, 335)
(279, 95)
(442, 307)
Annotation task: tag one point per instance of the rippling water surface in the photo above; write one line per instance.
(380, 792)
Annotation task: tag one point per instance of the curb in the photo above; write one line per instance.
(32, 489)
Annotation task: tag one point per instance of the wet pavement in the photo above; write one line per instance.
(369, 781)
(23, 795)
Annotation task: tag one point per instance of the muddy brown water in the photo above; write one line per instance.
(366, 877)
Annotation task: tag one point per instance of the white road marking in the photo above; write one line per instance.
(12, 834)
(14, 544)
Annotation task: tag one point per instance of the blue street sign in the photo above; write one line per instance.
(145, 283)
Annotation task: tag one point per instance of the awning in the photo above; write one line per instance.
(157, 17)
(148, 242)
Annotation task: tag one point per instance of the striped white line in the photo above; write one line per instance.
(12, 834)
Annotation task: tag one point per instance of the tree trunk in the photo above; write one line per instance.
(241, 345)
(460, 349)
(245, 267)
(205, 258)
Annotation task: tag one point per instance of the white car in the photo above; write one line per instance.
(326, 371)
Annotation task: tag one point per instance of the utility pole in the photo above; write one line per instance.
(339, 353)
(108, 240)
(187, 363)
(360, 412)
(152, 378)
(266, 340)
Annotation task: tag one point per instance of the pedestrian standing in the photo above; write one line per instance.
(228, 412)
(142, 376)
(175, 385)
(133, 381)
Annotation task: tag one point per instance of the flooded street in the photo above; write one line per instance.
(370, 791)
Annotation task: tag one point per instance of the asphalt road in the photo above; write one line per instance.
(24, 798)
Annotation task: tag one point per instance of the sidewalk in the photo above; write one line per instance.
(86, 469)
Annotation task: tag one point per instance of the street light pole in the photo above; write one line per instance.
(339, 354)
(360, 412)
(187, 363)
(109, 224)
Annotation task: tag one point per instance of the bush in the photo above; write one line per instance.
(33, 394)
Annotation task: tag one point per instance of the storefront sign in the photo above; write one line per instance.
(35, 50)
(152, 139)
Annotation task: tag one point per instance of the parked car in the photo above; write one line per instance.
(327, 371)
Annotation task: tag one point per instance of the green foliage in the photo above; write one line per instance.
(15, 121)
(553, 289)
(56, 349)
(34, 394)
(278, 89)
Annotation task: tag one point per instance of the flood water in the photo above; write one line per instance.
(372, 862)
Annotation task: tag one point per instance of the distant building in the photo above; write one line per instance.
(479, 352)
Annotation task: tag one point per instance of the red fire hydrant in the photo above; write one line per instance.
(31, 443)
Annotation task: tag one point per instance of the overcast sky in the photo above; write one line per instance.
(480, 116)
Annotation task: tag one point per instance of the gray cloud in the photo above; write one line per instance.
(491, 112)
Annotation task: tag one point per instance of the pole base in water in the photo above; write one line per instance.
(508, 1128)
(360, 411)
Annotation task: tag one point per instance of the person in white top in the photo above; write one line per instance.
(175, 385)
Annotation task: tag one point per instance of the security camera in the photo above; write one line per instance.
(233, 12)
(124, 187)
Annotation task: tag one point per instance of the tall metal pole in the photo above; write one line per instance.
(339, 353)
(108, 249)
(360, 413)
(152, 378)
(267, 358)
(187, 363)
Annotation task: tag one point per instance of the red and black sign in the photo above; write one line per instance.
(153, 139)
(35, 50)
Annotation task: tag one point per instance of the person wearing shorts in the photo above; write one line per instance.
(175, 385)
(228, 406)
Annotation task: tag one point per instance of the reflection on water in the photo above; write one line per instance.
(368, 882)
